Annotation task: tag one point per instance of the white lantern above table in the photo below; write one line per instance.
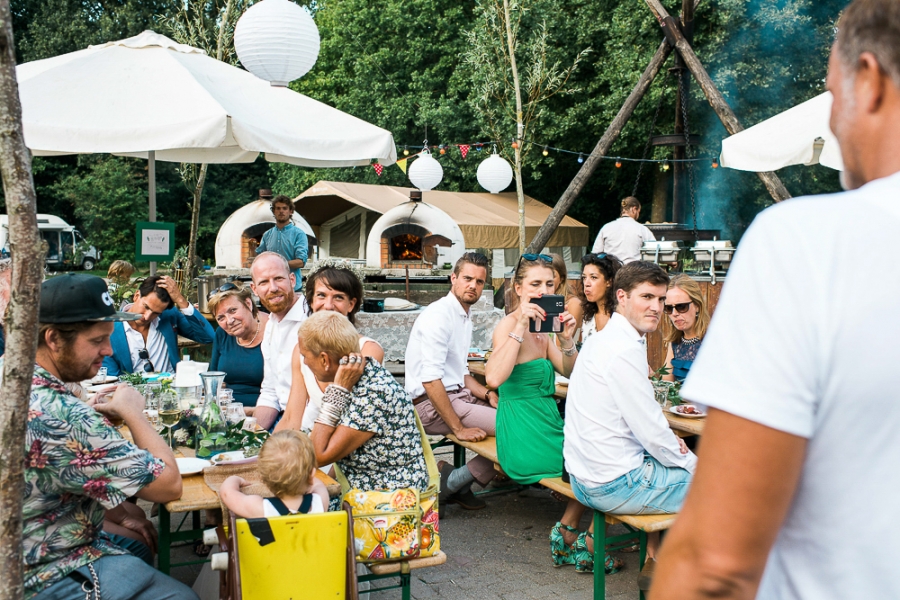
(425, 172)
(495, 174)
(277, 41)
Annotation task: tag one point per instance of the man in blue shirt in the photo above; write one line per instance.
(286, 239)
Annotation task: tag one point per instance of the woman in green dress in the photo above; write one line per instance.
(522, 368)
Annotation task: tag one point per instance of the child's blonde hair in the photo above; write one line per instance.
(120, 270)
(286, 461)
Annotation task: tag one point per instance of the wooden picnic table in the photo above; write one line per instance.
(676, 422)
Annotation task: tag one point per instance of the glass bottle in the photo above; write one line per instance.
(212, 428)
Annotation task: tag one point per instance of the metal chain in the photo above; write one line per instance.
(94, 590)
(687, 152)
(662, 96)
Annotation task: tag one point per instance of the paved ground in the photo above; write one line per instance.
(501, 552)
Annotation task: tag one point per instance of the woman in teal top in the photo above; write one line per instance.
(529, 428)
(236, 347)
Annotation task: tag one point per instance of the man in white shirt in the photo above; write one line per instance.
(798, 464)
(620, 453)
(274, 283)
(624, 237)
(447, 398)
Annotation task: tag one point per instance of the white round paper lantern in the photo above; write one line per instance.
(277, 41)
(495, 174)
(425, 173)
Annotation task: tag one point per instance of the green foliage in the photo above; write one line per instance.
(104, 196)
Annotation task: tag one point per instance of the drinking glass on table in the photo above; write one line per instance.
(169, 411)
(100, 377)
(225, 397)
(234, 412)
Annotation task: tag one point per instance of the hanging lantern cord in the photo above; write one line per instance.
(687, 154)
(662, 96)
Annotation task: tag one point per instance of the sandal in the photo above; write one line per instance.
(562, 553)
(584, 559)
(201, 549)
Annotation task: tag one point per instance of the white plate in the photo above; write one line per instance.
(190, 466)
(235, 457)
(675, 412)
(100, 388)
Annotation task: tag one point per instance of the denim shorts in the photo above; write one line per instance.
(651, 489)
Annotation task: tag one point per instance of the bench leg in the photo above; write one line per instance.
(459, 456)
(406, 585)
(642, 536)
(599, 556)
(165, 540)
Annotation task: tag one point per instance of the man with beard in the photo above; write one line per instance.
(286, 239)
(798, 464)
(150, 342)
(77, 464)
(447, 398)
(273, 282)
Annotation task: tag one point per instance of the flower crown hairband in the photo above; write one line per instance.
(335, 263)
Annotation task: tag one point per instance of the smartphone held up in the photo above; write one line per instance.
(554, 305)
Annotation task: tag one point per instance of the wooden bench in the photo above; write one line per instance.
(638, 525)
(402, 570)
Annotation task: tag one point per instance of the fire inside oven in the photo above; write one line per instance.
(405, 247)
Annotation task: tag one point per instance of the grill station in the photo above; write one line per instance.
(714, 257)
(711, 255)
(661, 251)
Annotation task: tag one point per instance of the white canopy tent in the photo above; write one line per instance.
(152, 98)
(799, 136)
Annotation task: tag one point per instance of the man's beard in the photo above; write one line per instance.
(70, 367)
(462, 299)
(281, 306)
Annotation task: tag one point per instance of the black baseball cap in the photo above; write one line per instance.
(76, 297)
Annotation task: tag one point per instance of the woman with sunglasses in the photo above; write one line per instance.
(598, 300)
(236, 347)
(685, 327)
(522, 369)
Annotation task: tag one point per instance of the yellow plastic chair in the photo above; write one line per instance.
(310, 557)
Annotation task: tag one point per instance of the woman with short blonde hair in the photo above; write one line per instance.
(683, 330)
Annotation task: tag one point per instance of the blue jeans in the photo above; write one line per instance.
(651, 489)
(122, 577)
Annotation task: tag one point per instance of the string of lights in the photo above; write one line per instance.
(546, 149)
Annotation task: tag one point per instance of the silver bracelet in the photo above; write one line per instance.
(518, 338)
(329, 415)
(569, 351)
(337, 395)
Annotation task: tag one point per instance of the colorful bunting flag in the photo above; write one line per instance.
(378, 168)
(464, 150)
(402, 164)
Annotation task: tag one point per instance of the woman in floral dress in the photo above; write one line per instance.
(367, 424)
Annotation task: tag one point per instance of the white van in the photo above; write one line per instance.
(66, 248)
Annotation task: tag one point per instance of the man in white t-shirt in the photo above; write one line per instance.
(620, 453)
(624, 237)
(446, 397)
(274, 283)
(798, 470)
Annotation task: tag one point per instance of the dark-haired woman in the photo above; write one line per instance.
(598, 301)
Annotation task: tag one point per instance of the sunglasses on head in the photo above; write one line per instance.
(680, 308)
(542, 257)
(143, 354)
(591, 255)
(225, 287)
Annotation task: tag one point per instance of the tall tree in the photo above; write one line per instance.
(22, 324)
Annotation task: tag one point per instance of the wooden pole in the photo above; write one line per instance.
(21, 327)
(511, 44)
(609, 137)
(673, 34)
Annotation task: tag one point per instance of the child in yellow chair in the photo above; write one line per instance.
(287, 465)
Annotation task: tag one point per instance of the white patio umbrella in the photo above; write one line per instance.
(152, 98)
(798, 136)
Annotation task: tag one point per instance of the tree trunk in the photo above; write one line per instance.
(670, 28)
(609, 137)
(191, 269)
(22, 324)
(520, 127)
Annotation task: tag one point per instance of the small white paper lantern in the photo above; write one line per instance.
(425, 173)
(277, 41)
(495, 174)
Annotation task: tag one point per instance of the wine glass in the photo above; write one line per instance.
(234, 412)
(169, 411)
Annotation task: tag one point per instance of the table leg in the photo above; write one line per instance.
(165, 540)
(599, 556)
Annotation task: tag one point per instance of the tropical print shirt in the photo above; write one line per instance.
(392, 458)
(76, 465)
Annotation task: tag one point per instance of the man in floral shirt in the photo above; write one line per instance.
(77, 464)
